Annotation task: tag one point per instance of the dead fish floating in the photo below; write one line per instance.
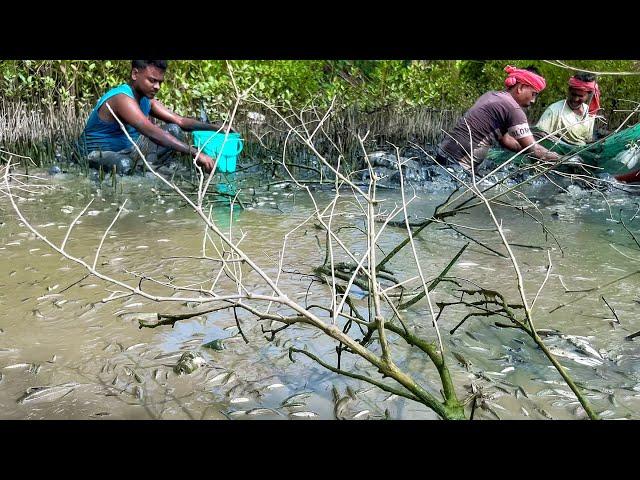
(296, 398)
(303, 414)
(583, 345)
(589, 361)
(18, 365)
(47, 393)
(262, 411)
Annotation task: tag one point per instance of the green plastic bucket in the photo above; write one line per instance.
(212, 145)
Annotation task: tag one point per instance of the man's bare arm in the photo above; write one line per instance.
(128, 111)
(161, 112)
(537, 150)
(510, 143)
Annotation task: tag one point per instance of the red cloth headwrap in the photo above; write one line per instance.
(524, 76)
(590, 87)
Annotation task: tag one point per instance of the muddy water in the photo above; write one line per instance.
(56, 331)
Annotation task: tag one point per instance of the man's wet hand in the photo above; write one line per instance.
(205, 162)
(551, 156)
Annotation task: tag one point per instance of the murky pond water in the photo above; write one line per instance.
(55, 330)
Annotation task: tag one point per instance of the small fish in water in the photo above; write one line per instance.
(547, 392)
(351, 393)
(508, 369)
(297, 396)
(521, 391)
(37, 313)
(303, 414)
(463, 361)
(237, 413)
(47, 394)
(233, 390)
(261, 411)
(480, 349)
(34, 368)
(340, 406)
(135, 346)
(53, 287)
(231, 378)
(543, 412)
(18, 365)
(589, 361)
(583, 345)
(239, 400)
(219, 379)
(274, 385)
(139, 392)
(471, 335)
(361, 414)
(101, 414)
(524, 411)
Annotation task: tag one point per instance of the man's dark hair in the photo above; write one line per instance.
(585, 77)
(142, 64)
(533, 68)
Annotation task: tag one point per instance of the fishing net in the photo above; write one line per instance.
(616, 154)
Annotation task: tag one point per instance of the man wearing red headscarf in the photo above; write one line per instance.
(573, 119)
(497, 118)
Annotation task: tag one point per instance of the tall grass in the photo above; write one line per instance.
(48, 134)
(44, 133)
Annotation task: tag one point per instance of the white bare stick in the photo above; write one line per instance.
(415, 253)
(624, 254)
(549, 267)
(95, 260)
(75, 220)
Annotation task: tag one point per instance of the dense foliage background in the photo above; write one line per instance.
(368, 85)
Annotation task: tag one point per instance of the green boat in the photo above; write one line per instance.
(617, 154)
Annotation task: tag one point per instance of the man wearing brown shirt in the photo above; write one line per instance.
(496, 118)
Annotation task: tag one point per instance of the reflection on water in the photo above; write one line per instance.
(56, 332)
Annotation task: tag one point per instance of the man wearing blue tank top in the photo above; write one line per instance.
(104, 142)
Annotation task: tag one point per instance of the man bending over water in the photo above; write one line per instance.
(496, 118)
(106, 144)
